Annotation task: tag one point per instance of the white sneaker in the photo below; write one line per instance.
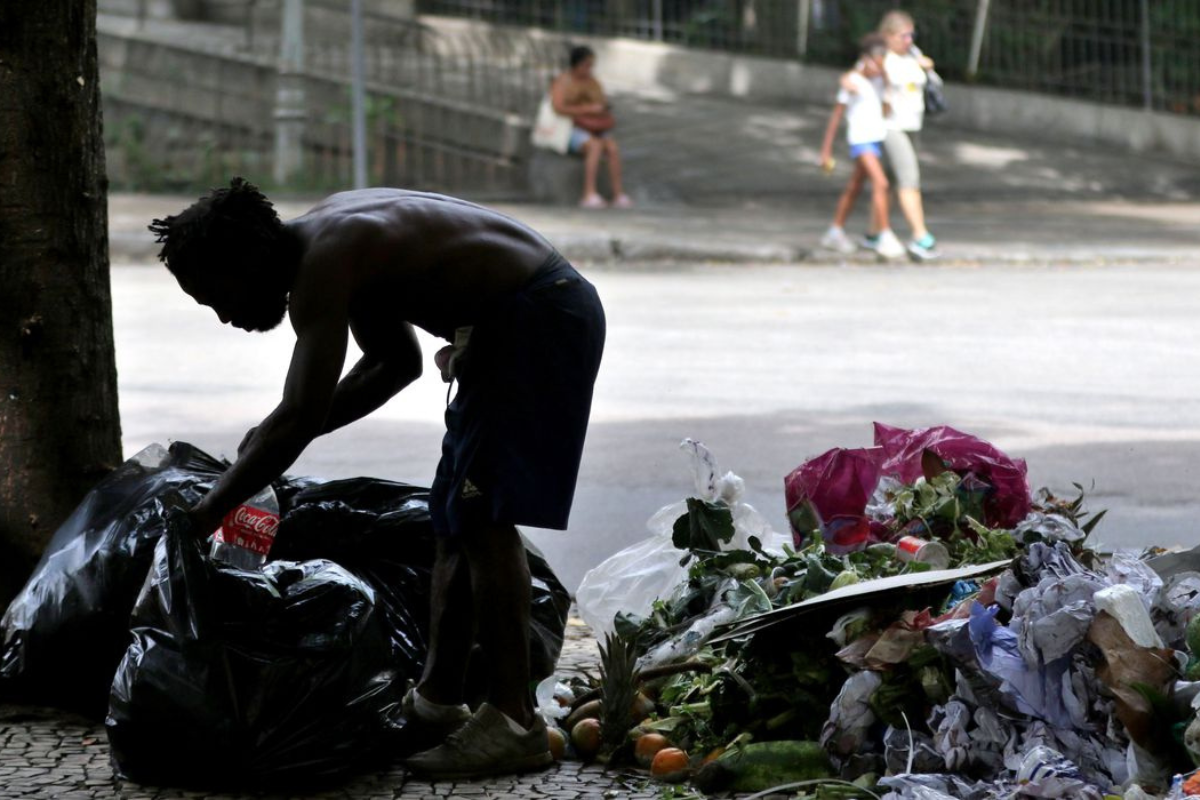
(836, 239)
(923, 249)
(889, 246)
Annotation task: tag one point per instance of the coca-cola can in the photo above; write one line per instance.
(923, 551)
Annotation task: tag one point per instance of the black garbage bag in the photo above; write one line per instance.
(250, 679)
(381, 531)
(64, 634)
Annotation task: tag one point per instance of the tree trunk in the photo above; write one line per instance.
(59, 425)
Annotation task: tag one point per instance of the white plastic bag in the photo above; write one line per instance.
(551, 130)
(634, 578)
(553, 699)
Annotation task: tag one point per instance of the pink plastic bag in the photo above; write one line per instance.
(830, 492)
(1009, 501)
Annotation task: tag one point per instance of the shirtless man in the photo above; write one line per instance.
(526, 333)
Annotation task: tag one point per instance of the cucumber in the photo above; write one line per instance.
(762, 765)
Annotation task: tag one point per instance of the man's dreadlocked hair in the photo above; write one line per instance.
(226, 230)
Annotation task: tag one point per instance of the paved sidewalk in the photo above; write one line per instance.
(972, 233)
(47, 754)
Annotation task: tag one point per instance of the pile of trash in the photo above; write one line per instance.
(275, 655)
(929, 630)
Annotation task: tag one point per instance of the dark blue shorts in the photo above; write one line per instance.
(515, 430)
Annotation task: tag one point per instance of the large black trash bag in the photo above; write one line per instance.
(381, 531)
(64, 634)
(241, 679)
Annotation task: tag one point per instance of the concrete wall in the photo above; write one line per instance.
(629, 63)
(196, 110)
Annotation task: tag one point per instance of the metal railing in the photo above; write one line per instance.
(743, 26)
(446, 111)
(1132, 52)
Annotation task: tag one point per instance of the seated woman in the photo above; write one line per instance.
(577, 94)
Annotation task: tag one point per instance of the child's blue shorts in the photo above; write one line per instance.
(874, 148)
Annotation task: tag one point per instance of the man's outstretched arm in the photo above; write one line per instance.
(299, 418)
(373, 381)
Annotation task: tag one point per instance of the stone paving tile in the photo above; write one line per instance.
(47, 754)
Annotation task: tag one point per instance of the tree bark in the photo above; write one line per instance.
(59, 425)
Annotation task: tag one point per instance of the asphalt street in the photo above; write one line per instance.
(1090, 372)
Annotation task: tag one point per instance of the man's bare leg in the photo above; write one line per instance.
(500, 584)
(451, 627)
(503, 735)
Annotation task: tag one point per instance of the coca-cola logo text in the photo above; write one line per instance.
(252, 520)
(251, 528)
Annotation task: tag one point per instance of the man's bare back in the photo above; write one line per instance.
(431, 260)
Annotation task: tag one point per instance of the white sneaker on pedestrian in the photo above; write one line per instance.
(836, 239)
(889, 246)
(593, 201)
(923, 249)
(489, 743)
(869, 241)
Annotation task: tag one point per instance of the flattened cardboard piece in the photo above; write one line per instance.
(872, 591)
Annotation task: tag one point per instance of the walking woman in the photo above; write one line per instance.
(905, 72)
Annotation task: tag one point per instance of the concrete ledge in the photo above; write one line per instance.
(557, 179)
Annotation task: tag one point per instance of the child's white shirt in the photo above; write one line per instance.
(864, 109)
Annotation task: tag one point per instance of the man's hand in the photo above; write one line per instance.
(443, 359)
(200, 522)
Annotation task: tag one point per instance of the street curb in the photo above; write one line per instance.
(128, 247)
(133, 247)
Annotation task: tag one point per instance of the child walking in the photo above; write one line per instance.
(860, 101)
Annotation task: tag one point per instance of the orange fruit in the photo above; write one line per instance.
(713, 755)
(647, 747)
(585, 736)
(558, 742)
(669, 764)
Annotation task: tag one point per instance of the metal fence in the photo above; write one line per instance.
(1131, 52)
(446, 111)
